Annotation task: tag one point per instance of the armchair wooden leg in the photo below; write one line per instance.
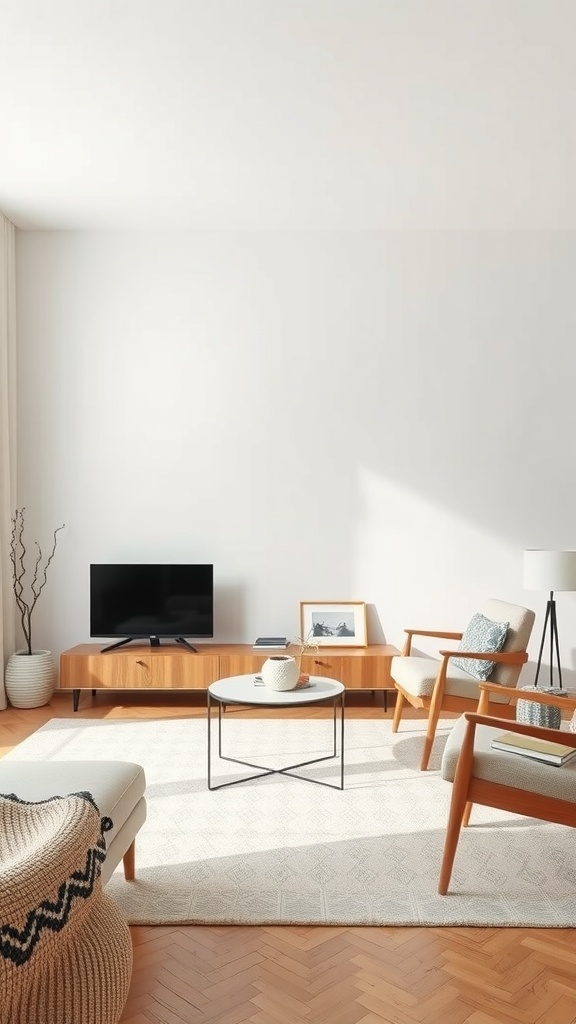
(458, 808)
(484, 703)
(467, 813)
(427, 750)
(433, 717)
(398, 710)
(452, 836)
(129, 862)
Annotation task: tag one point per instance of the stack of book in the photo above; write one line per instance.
(272, 643)
(541, 750)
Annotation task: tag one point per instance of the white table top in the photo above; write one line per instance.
(243, 690)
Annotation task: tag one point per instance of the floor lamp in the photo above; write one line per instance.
(550, 570)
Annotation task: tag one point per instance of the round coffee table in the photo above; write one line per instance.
(248, 690)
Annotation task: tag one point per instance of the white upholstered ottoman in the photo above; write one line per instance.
(117, 787)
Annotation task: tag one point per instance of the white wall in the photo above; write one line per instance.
(385, 417)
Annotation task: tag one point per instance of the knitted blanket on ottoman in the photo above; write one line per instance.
(65, 950)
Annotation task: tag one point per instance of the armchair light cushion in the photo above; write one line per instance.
(506, 769)
(418, 677)
(484, 636)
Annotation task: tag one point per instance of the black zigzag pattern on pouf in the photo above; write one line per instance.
(17, 944)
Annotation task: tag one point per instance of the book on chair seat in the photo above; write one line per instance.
(529, 746)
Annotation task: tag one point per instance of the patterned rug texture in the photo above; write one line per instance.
(283, 851)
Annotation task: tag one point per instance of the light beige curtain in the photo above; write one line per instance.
(7, 437)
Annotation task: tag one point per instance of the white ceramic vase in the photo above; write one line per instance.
(30, 679)
(280, 672)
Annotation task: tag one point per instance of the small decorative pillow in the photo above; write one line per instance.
(485, 636)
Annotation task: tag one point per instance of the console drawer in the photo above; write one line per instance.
(139, 670)
(357, 673)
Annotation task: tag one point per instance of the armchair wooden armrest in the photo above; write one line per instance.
(502, 657)
(441, 634)
(539, 732)
(567, 702)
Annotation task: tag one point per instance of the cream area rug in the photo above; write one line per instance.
(282, 851)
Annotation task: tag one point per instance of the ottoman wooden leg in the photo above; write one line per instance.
(129, 862)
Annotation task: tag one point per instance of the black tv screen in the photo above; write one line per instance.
(145, 601)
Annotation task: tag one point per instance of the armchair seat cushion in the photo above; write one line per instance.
(508, 769)
(417, 675)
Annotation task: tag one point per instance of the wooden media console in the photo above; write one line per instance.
(173, 667)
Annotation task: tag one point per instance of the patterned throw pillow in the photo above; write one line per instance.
(485, 636)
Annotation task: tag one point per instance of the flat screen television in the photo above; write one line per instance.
(151, 601)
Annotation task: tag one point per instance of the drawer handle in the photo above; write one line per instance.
(143, 663)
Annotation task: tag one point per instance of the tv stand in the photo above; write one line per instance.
(181, 640)
(168, 667)
(119, 643)
(154, 642)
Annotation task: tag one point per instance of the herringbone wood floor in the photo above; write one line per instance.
(201, 975)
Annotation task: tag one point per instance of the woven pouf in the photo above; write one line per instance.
(65, 950)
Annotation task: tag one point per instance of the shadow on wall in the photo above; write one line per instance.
(545, 678)
(229, 612)
(374, 628)
(460, 314)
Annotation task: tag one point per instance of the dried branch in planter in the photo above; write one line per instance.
(27, 594)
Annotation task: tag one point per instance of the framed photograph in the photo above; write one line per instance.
(334, 623)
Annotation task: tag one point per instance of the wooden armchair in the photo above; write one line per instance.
(438, 686)
(496, 778)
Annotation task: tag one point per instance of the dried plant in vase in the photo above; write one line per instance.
(30, 675)
(303, 645)
(27, 595)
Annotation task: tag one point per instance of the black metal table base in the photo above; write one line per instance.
(289, 770)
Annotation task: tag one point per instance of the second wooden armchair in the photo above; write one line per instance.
(482, 775)
(440, 685)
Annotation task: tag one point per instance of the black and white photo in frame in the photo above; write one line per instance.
(334, 623)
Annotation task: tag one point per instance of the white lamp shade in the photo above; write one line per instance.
(549, 570)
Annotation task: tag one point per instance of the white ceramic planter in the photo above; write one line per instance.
(30, 679)
(280, 672)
